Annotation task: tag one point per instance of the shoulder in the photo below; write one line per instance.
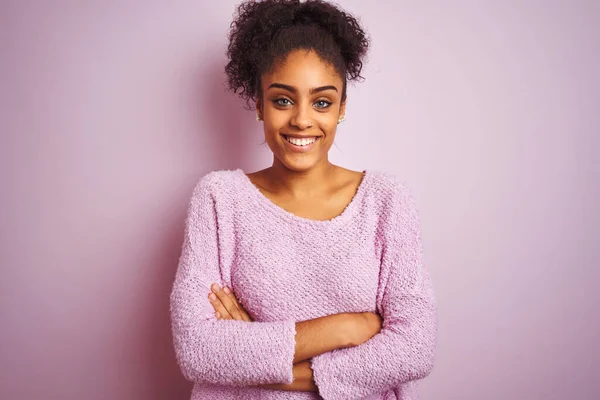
(211, 190)
(394, 201)
(214, 188)
(389, 189)
(215, 183)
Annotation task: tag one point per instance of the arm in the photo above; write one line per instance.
(321, 335)
(355, 329)
(314, 337)
(404, 348)
(303, 379)
(226, 352)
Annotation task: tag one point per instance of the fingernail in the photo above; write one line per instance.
(216, 287)
(212, 296)
(226, 290)
(218, 314)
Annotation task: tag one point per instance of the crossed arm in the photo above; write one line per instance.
(313, 337)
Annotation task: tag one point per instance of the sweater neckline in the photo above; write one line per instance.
(348, 212)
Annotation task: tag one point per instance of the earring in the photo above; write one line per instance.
(258, 118)
(341, 119)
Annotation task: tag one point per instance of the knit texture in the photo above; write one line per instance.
(284, 269)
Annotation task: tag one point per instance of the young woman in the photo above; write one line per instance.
(304, 280)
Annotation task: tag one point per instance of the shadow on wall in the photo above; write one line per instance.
(222, 125)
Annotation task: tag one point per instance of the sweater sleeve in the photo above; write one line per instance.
(404, 348)
(225, 352)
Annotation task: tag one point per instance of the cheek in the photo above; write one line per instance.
(275, 121)
(271, 129)
(329, 125)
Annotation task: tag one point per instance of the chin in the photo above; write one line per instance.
(299, 165)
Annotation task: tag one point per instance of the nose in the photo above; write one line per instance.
(302, 118)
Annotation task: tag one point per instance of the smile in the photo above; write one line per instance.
(301, 144)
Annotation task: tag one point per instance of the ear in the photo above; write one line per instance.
(259, 108)
(342, 109)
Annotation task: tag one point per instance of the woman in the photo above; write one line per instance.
(303, 280)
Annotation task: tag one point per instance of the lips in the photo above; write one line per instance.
(301, 144)
(300, 141)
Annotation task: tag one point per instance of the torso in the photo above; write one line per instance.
(304, 265)
(325, 206)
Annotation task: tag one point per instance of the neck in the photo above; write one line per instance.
(301, 183)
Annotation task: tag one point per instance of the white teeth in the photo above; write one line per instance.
(300, 142)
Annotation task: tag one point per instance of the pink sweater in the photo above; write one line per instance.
(283, 269)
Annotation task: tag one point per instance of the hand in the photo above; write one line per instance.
(364, 326)
(226, 305)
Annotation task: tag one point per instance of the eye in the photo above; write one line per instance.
(282, 102)
(323, 104)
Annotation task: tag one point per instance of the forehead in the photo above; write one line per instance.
(303, 69)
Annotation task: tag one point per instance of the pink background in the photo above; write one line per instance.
(111, 111)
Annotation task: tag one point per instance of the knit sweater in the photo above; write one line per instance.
(283, 269)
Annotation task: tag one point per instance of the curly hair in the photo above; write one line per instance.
(264, 32)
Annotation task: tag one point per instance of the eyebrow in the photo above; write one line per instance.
(293, 89)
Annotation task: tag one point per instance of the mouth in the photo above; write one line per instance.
(301, 144)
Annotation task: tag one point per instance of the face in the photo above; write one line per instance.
(301, 105)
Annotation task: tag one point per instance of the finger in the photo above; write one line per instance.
(226, 301)
(220, 310)
(235, 301)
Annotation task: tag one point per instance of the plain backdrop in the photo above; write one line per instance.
(111, 111)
